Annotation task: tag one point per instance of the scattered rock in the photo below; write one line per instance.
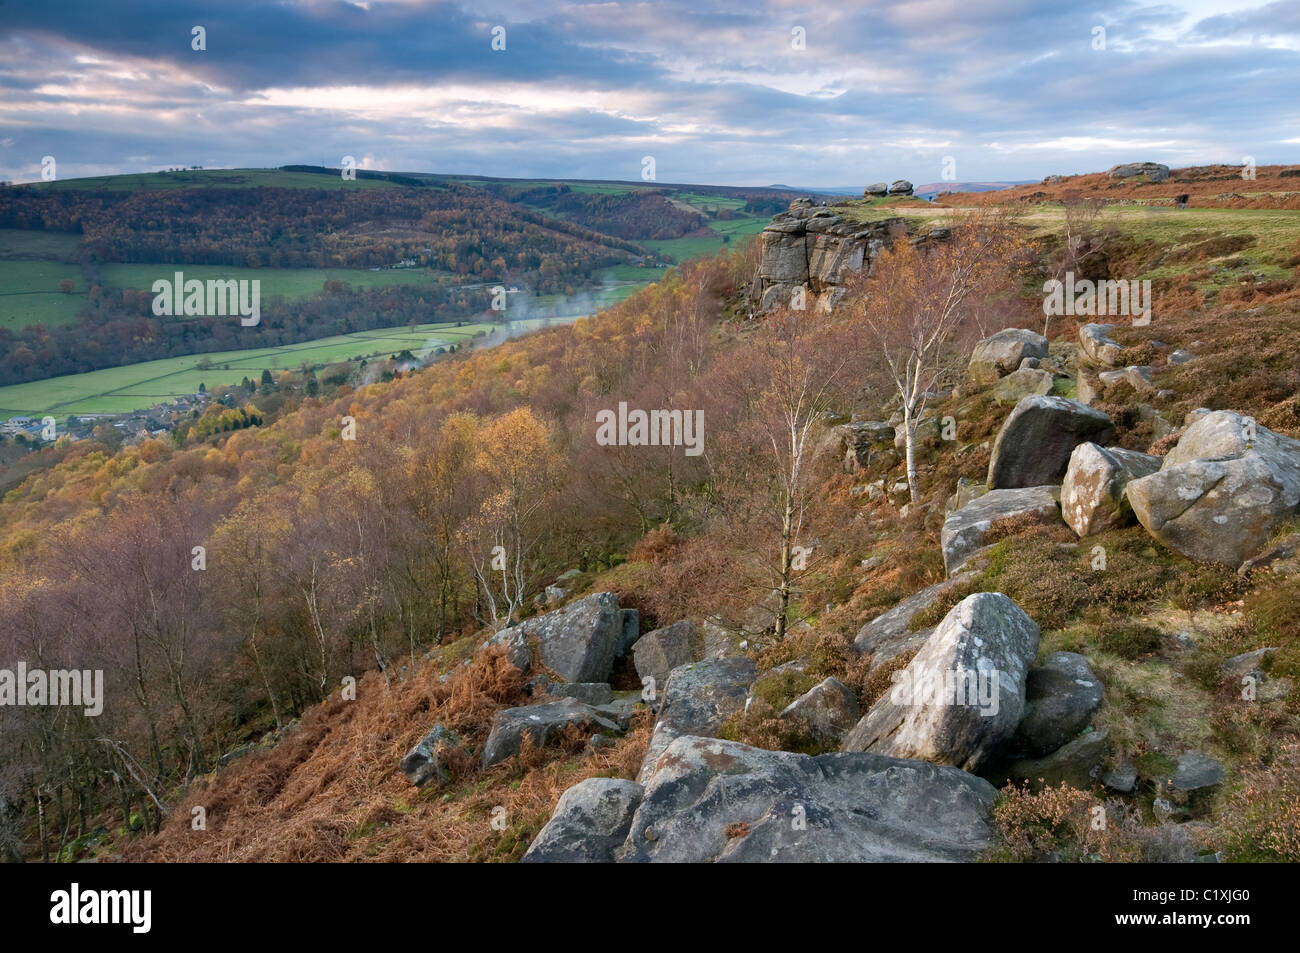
(1222, 491)
(1248, 663)
(1022, 383)
(1098, 346)
(1092, 496)
(590, 820)
(1139, 377)
(1034, 445)
(1180, 357)
(1122, 779)
(1061, 696)
(967, 492)
(710, 800)
(966, 530)
(1196, 772)
(659, 652)
(863, 444)
(961, 698)
(540, 722)
(425, 762)
(1004, 352)
(697, 700)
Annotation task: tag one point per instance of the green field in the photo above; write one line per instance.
(123, 389)
(680, 249)
(24, 243)
(29, 293)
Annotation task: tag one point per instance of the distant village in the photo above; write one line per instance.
(136, 425)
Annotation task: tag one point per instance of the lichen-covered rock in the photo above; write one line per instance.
(590, 820)
(542, 723)
(1004, 352)
(698, 700)
(967, 530)
(890, 634)
(1222, 491)
(1154, 171)
(426, 761)
(1092, 496)
(1098, 346)
(710, 800)
(1021, 384)
(962, 696)
(579, 642)
(1034, 445)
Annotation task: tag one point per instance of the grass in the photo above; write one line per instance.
(29, 293)
(26, 243)
(123, 389)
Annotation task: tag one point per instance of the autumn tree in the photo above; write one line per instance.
(924, 305)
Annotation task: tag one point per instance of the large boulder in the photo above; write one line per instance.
(1001, 353)
(1154, 171)
(1034, 445)
(968, 529)
(1061, 696)
(1092, 496)
(1076, 763)
(1222, 491)
(657, 653)
(875, 190)
(542, 723)
(865, 443)
(961, 698)
(900, 187)
(698, 700)
(710, 800)
(1098, 346)
(590, 820)
(579, 642)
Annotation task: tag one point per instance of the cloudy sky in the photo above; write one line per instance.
(745, 93)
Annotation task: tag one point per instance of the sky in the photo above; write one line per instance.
(746, 93)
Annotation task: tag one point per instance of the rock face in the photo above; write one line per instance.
(826, 711)
(590, 820)
(1097, 346)
(540, 722)
(1222, 491)
(659, 652)
(1022, 383)
(1034, 445)
(424, 762)
(1092, 496)
(961, 698)
(579, 642)
(1152, 170)
(710, 800)
(698, 700)
(817, 250)
(1001, 353)
(1061, 696)
(966, 530)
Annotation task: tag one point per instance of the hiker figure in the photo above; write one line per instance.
(1181, 201)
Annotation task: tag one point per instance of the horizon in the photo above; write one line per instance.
(813, 98)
